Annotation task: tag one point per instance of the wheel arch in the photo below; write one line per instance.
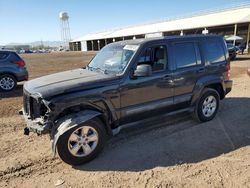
(8, 73)
(218, 87)
(70, 121)
(207, 82)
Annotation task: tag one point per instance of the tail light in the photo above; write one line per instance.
(20, 63)
(228, 71)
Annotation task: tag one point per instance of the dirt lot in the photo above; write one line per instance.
(177, 152)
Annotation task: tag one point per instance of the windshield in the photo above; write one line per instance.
(113, 59)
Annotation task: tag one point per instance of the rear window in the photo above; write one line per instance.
(185, 54)
(3, 55)
(213, 51)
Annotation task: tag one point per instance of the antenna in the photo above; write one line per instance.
(65, 30)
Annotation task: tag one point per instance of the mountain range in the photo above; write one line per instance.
(37, 43)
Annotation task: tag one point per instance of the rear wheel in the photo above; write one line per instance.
(82, 143)
(208, 105)
(7, 82)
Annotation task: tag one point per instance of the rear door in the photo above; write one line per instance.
(188, 69)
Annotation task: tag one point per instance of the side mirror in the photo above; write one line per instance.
(143, 70)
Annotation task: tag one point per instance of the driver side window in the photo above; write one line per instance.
(156, 57)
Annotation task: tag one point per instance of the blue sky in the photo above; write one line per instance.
(32, 20)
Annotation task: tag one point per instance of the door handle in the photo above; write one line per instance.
(167, 77)
(200, 70)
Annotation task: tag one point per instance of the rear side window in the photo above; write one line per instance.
(213, 51)
(16, 56)
(185, 54)
(3, 55)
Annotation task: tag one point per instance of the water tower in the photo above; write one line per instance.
(65, 30)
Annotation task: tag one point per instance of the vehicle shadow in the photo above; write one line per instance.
(178, 140)
(242, 58)
(15, 93)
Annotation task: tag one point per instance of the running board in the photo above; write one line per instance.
(129, 125)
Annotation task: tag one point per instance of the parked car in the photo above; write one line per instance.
(28, 51)
(127, 82)
(232, 50)
(12, 70)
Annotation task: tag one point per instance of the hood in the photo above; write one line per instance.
(64, 82)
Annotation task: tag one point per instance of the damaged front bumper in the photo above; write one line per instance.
(36, 125)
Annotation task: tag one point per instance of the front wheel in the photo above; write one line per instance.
(207, 106)
(82, 143)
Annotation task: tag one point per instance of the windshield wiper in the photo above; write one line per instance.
(89, 67)
(96, 69)
(99, 69)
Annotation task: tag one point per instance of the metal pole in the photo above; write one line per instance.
(98, 44)
(92, 42)
(69, 35)
(61, 30)
(248, 38)
(235, 32)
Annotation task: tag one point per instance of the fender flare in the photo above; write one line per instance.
(201, 84)
(69, 122)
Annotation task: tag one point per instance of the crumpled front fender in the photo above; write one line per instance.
(71, 121)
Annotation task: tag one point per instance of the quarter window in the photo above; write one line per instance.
(213, 52)
(3, 55)
(145, 57)
(185, 55)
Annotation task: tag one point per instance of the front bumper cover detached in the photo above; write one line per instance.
(37, 125)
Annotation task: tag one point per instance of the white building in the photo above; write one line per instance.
(231, 21)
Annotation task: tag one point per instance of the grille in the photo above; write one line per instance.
(31, 106)
(26, 104)
(35, 108)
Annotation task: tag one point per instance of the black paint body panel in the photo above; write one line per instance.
(123, 98)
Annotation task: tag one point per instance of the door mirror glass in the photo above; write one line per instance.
(143, 70)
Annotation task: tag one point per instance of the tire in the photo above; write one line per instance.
(66, 143)
(209, 102)
(7, 82)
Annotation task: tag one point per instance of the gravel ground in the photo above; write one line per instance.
(177, 152)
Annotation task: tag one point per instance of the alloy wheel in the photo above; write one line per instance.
(83, 141)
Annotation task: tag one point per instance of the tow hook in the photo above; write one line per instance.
(26, 131)
(20, 112)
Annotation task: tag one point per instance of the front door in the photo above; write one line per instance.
(144, 97)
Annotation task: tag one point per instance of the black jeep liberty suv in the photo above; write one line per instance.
(126, 82)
